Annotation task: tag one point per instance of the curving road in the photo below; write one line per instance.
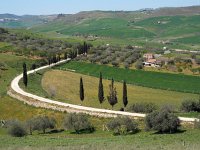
(37, 101)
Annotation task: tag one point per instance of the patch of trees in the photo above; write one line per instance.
(78, 123)
(162, 121)
(114, 55)
(34, 45)
(190, 105)
(19, 129)
(112, 94)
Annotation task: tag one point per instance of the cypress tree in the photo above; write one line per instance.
(112, 97)
(25, 77)
(85, 48)
(125, 99)
(65, 55)
(81, 90)
(101, 92)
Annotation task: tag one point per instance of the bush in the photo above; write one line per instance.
(17, 129)
(162, 121)
(142, 107)
(78, 122)
(190, 105)
(122, 126)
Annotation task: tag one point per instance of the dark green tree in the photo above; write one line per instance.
(25, 76)
(112, 97)
(33, 67)
(85, 48)
(81, 90)
(65, 55)
(101, 92)
(125, 98)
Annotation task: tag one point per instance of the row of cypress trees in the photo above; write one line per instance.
(112, 96)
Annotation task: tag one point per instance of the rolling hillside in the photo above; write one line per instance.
(163, 24)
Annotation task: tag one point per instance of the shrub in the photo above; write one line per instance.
(122, 126)
(142, 107)
(162, 121)
(190, 105)
(78, 122)
(17, 129)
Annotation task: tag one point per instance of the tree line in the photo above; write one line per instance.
(112, 96)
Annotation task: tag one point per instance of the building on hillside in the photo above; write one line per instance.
(152, 63)
(148, 56)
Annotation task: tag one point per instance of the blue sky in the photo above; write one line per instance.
(36, 7)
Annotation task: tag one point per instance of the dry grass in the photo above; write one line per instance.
(66, 85)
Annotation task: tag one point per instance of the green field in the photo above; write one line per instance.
(104, 140)
(172, 25)
(167, 81)
(189, 40)
(107, 27)
(11, 108)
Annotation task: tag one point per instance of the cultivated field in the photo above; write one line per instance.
(167, 81)
(65, 86)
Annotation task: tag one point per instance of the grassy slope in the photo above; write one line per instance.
(121, 32)
(172, 26)
(9, 107)
(176, 82)
(66, 86)
(108, 27)
(104, 140)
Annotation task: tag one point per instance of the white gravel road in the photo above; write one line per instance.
(68, 107)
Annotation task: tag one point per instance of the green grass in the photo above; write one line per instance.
(14, 109)
(108, 27)
(34, 82)
(175, 82)
(189, 40)
(105, 140)
(11, 108)
(172, 25)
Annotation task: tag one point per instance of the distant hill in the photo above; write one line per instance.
(27, 21)
(163, 24)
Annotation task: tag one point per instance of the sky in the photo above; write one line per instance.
(45, 7)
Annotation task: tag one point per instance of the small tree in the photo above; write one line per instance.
(162, 121)
(42, 123)
(81, 90)
(25, 76)
(30, 125)
(78, 122)
(125, 98)
(33, 67)
(17, 129)
(101, 92)
(112, 97)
